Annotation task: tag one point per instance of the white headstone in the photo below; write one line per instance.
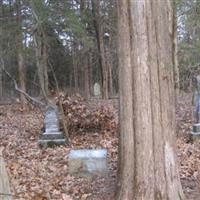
(97, 90)
(52, 134)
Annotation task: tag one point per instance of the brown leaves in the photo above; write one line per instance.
(188, 152)
(66, 197)
(42, 174)
(81, 116)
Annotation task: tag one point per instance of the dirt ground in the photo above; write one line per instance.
(42, 173)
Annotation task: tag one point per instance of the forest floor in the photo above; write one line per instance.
(42, 173)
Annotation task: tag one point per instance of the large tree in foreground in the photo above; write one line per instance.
(147, 163)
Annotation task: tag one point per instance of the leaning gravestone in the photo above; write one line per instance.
(196, 126)
(88, 162)
(52, 134)
(97, 90)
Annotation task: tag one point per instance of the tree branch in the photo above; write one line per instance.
(28, 97)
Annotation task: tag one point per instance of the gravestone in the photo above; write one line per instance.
(88, 162)
(5, 191)
(52, 134)
(196, 126)
(97, 90)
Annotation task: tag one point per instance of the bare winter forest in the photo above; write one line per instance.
(99, 100)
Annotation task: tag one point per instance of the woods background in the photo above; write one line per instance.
(71, 41)
(74, 43)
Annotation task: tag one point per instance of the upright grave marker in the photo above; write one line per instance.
(5, 192)
(52, 134)
(97, 90)
(196, 126)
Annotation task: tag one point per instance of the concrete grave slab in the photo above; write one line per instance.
(87, 162)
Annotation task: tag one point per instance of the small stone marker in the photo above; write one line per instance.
(196, 126)
(5, 191)
(88, 162)
(52, 134)
(97, 90)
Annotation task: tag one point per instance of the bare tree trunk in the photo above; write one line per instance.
(41, 53)
(90, 71)
(175, 50)
(45, 64)
(1, 83)
(104, 67)
(110, 79)
(86, 79)
(20, 58)
(101, 49)
(75, 70)
(1, 52)
(147, 162)
(109, 67)
(42, 63)
(85, 54)
(22, 76)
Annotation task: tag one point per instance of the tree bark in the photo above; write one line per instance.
(101, 49)
(85, 54)
(90, 72)
(109, 66)
(1, 83)
(86, 78)
(110, 79)
(104, 67)
(75, 68)
(1, 52)
(42, 62)
(20, 58)
(147, 162)
(45, 64)
(175, 50)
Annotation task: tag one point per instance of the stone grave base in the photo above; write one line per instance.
(51, 139)
(195, 136)
(196, 131)
(87, 163)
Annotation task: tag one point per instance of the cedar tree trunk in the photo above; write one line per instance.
(147, 161)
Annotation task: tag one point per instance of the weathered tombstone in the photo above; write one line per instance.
(5, 191)
(196, 126)
(88, 162)
(52, 134)
(97, 90)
